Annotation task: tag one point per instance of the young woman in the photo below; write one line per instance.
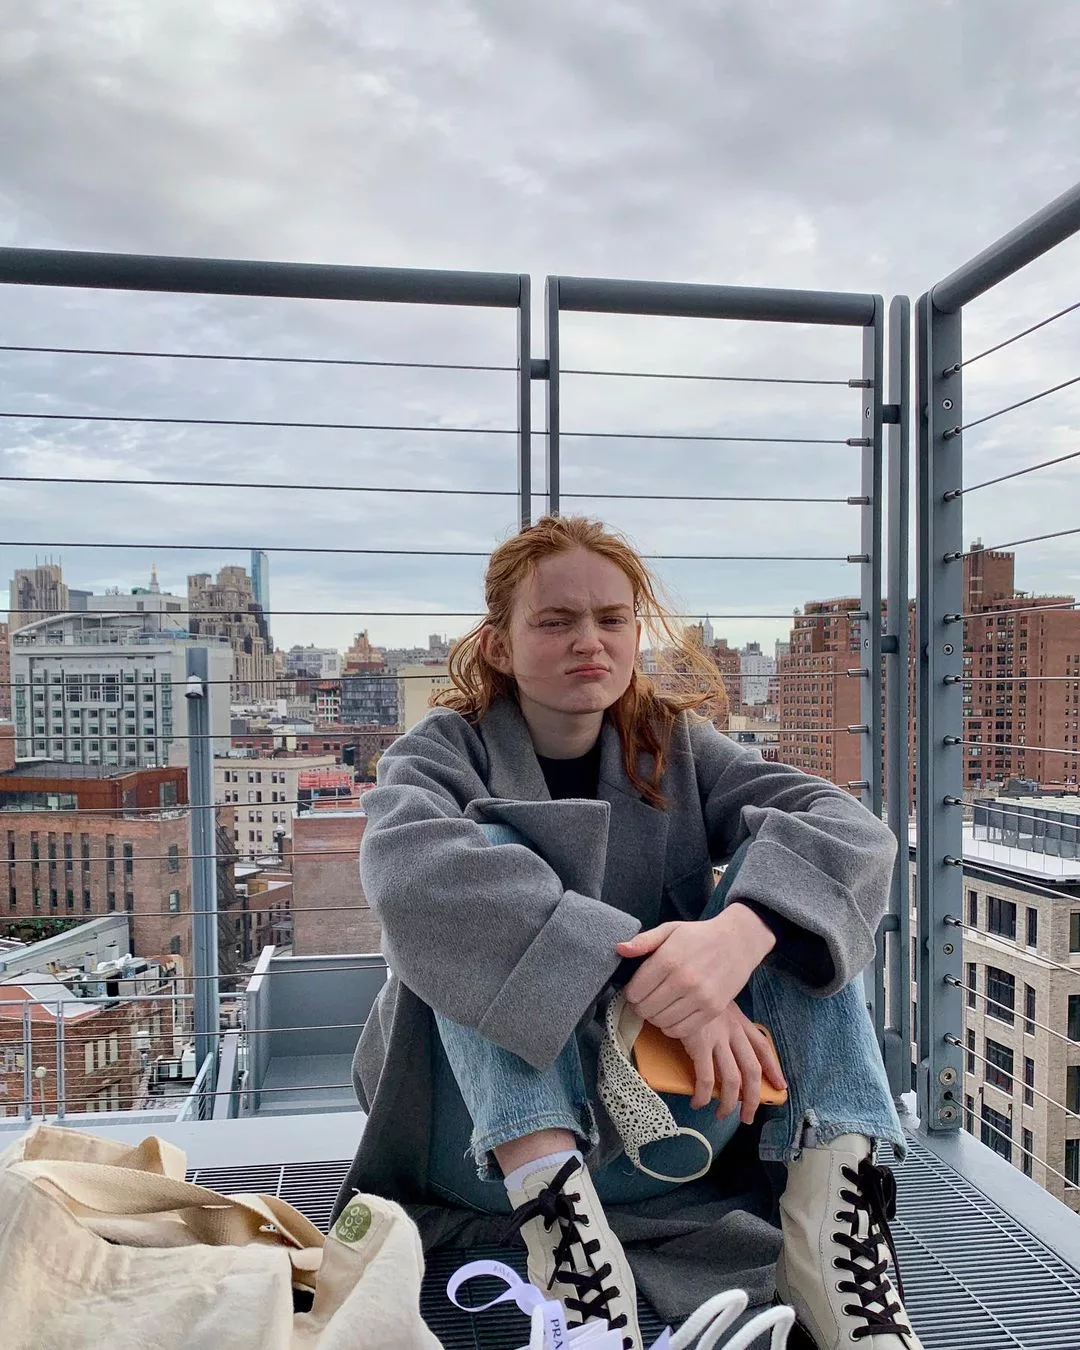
(546, 837)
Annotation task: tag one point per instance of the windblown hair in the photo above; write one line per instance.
(646, 713)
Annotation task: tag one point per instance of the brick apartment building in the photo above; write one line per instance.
(1024, 670)
(84, 840)
(1024, 690)
(818, 699)
(329, 910)
(109, 1046)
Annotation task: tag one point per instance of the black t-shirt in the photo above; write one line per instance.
(578, 777)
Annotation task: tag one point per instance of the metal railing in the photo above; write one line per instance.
(946, 739)
(577, 456)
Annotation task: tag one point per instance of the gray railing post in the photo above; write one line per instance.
(870, 531)
(61, 1086)
(939, 790)
(895, 949)
(204, 920)
(551, 326)
(524, 394)
(28, 1063)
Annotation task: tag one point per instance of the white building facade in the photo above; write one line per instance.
(109, 689)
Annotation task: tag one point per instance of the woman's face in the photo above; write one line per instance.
(573, 635)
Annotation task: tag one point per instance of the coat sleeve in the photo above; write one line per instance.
(817, 857)
(488, 936)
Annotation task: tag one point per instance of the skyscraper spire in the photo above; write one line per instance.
(155, 589)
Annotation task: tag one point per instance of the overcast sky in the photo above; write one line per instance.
(861, 145)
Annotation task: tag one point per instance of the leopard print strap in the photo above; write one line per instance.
(640, 1115)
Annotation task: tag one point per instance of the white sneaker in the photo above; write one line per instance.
(834, 1264)
(586, 1271)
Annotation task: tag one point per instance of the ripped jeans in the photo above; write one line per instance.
(485, 1096)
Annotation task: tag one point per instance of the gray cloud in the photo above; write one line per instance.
(862, 146)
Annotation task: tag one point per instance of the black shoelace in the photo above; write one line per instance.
(874, 1195)
(556, 1206)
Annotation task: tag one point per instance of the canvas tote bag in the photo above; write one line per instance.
(107, 1247)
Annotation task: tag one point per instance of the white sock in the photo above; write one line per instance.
(513, 1182)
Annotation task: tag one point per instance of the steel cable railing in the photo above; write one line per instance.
(861, 313)
(956, 752)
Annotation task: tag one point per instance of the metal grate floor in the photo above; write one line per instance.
(974, 1278)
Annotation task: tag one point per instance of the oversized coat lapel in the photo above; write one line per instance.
(637, 839)
(612, 849)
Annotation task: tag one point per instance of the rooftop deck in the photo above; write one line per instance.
(990, 1258)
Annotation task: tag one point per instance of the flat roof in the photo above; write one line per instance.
(51, 768)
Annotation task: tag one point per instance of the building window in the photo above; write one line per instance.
(999, 1065)
(110, 902)
(1073, 1029)
(1029, 1081)
(174, 902)
(1072, 1161)
(1029, 1010)
(1028, 1145)
(129, 860)
(1074, 931)
(973, 909)
(174, 946)
(1032, 926)
(1000, 994)
(129, 902)
(69, 898)
(86, 902)
(969, 1114)
(996, 1132)
(1001, 917)
(972, 985)
(54, 898)
(970, 1051)
(1072, 1088)
(174, 858)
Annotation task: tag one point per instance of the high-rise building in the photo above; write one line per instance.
(818, 700)
(263, 792)
(319, 663)
(108, 690)
(416, 685)
(260, 583)
(370, 699)
(1022, 659)
(37, 593)
(1021, 1092)
(757, 671)
(227, 608)
(726, 660)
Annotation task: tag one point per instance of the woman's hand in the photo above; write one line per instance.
(695, 969)
(732, 1050)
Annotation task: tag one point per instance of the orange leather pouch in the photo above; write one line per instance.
(664, 1064)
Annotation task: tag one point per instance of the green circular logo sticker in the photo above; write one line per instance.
(354, 1222)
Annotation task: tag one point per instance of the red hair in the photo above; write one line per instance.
(645, 714)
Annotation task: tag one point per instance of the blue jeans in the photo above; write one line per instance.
(485, 1096)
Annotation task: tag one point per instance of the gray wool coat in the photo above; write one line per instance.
(519, 942)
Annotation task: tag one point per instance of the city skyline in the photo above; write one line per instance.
(667, 187)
